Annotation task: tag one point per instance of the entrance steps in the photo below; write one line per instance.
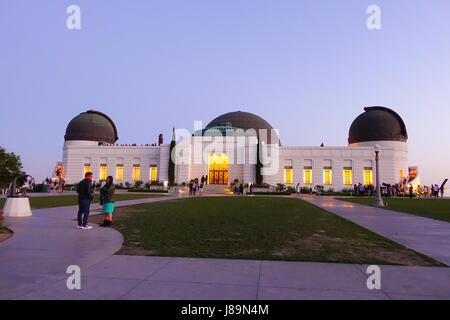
(216, 189)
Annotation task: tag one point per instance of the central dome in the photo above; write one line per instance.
(241, 120)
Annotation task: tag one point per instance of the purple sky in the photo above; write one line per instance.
(307, 67)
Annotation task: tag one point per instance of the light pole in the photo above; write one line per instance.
(378, 199)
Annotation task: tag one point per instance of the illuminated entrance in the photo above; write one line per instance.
(218, 169)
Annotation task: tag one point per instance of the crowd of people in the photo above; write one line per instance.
(196, 188)
(55, 184)
(430, 191)
(395, 190)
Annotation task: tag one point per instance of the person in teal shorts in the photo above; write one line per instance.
(107, 201)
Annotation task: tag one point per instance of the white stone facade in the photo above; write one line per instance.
(90, 144)
(78, 153)
(193, 164)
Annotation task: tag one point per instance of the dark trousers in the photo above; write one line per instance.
(84, 206)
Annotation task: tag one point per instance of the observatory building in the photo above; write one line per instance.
(239, 145)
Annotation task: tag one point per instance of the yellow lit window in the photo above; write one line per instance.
(327, 176)
(401, 175)
(86, 168)
(136, 172)
(102, 172)
(367, 176)
(307, 175)
(347, 176)
(153, 173)
(288, 175)
(119, 172)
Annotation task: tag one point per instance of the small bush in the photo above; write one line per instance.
(146, 190)
(305, 190)
(262, 185)
(138, 184)
(319, 188)
(269, 193)
(291, 190)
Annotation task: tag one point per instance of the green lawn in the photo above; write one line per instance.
(71, 200)
(438, 209)
(266, 228)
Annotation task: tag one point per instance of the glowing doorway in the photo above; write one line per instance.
(218, 169)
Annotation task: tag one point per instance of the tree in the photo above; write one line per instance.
(259, 177)
(10, 167)
(171, 163)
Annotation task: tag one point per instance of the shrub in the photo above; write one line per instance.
(330, 190)
(262, 185)
(38, 188)
(280, 187)
(146, 190)
(127, 185)
(138, 184)
(305, 190)
(319, 188)
(291, 190)
(277, 193)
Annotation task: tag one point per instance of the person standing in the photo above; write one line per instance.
(191, 185)
(85, 192)
(107, 200)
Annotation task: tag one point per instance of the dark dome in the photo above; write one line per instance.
(241, 120)
(91, 126)
(377, 124)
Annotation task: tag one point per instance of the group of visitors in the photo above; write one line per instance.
(55, 184)
(361, 189)
(238, 190)
(196, 187)
(394, 190)
(430, 191)
(85, 190)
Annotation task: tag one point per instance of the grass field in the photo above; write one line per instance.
(438, 209)
(266, 228)
(71, 200)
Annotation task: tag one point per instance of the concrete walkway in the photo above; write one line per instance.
(428, 236)
(33, 265)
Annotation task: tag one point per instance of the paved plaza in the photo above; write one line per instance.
(34, 262)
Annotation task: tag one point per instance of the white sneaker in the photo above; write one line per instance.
(79, 227)
(87, 227)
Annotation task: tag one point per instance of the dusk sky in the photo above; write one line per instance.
(307, 67)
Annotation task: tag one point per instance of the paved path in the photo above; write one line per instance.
(33, 264)
(428, 236)
(44, 244)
